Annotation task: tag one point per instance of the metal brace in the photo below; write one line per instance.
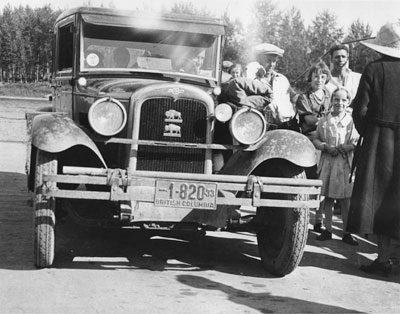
(48, 187)
(254, 188)
(113, 179)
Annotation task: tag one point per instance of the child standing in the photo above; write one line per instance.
(336, 137)
(314, 104)
(311, 107)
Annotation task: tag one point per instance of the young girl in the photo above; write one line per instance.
(336, 137)
(311, 107)
(314, 104)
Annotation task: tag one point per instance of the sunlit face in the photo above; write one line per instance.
(235, 72)
(340, 58)
(268, 61)
(340, 100)
(199, 59)
(318, 81)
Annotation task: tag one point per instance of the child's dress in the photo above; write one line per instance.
(335, 171)
(309, 104)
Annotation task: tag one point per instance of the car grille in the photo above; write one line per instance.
(192, 124)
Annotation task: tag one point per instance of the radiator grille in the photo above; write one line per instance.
(192, 130)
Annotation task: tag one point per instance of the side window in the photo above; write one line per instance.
(65, 45)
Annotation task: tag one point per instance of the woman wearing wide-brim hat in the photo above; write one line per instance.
(375, 203)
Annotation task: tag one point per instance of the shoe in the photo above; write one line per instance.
(318, 228)
(348, 238)
(383, 269)
(325, 235)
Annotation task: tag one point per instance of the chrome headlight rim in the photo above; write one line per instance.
(233, 129)
(92, 119)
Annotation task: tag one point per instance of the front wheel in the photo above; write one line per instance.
(44, 224)
(282, 232)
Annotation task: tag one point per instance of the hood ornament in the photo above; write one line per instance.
(173, 116)
(172, 130)
(176, 91)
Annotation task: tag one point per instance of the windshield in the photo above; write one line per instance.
(135, 49)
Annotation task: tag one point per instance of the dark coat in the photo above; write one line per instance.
(375, 203)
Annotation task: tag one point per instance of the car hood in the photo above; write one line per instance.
(120, 86)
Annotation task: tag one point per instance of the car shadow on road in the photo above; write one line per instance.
(79, 247)
(233, 253)
(263, 302)
(90, 248)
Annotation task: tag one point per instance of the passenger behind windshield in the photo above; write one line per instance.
(121, 57)
(195, 64)
(199, 61)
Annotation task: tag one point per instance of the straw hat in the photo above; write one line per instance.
(387, 41)
(268, 49)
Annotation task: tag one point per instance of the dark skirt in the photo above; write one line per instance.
(375, 203)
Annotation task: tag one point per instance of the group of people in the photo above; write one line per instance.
(325, 118)
(353, 120)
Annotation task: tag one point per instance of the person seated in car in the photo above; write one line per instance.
(192, 65)
(282, 107)
(121, 57)
(269, 92)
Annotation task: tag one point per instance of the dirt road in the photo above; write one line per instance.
(121, 272)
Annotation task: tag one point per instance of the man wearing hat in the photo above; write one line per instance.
(282, 109)
(270, 92)
(375, 203)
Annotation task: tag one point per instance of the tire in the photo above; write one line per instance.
(282, 232)
(44, 221)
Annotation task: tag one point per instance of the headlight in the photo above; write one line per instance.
(223, 112)
(248, 126)
(82, 81)
(217, 91)
(107, 116)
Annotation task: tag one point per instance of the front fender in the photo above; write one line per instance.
(284, 144)
(53, 134)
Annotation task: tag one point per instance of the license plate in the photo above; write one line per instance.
(185, 194)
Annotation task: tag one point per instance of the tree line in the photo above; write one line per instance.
(25, 39)
(303, 45)
(25, 43)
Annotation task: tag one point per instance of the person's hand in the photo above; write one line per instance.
(345, 148)
(331, 150)
(311, 120)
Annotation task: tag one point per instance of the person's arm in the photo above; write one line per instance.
(306, 114)
(346, 148)
(351, 141)
(311, 120)
(319, 140)
(248, 92)
(362, 99)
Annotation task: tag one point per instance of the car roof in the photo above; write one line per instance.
(141, 19)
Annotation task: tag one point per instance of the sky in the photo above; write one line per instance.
(376, 13)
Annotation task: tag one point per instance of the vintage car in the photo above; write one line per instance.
(132, 134)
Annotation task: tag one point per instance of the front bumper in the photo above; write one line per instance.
(140, 186)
